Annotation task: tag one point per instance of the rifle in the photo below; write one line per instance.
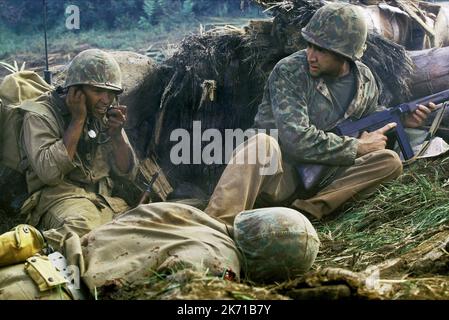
(149, 192)
(47, 72)
(313, 177)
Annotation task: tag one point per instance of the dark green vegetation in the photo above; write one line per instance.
(397, 218)
(130, 24)
(23, 16)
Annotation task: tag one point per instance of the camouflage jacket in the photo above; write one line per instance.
(51, 171)
(298, 105)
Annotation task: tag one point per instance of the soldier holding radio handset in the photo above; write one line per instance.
(73, 143)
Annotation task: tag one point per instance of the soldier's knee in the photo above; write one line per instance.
(393, 163)
(261, 150)
(79, 225)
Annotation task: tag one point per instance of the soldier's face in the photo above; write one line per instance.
(98, 100)
(324, 62)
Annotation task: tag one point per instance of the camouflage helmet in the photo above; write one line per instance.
(340, 28)
(276, 243)
(96, 68)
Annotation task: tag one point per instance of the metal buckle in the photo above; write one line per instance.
(73, 280)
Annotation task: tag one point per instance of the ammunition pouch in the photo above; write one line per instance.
(43, 273)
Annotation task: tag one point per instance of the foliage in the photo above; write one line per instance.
(27, 15)
(394, 220)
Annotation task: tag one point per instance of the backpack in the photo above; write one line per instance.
(17, 90)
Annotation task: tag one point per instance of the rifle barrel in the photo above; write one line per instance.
(436, 98)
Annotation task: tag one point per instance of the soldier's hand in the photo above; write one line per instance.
(116, 120)
(76, 103)
(417, 118)
(374, 141)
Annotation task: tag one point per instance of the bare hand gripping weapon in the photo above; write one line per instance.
(312, 177)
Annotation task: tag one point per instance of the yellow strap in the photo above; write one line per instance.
(43, 273)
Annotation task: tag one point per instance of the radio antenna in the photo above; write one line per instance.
(47, 72)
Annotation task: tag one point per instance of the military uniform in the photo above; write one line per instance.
(264, 245)
(302, 108)
(72, 195)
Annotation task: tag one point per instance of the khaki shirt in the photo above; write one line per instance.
(50, 169)
(301, 108)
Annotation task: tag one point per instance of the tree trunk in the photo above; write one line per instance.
(431, 71)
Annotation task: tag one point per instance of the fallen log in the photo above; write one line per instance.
(330, 292)
(381, 281)
(431, 71)
(430, 257)
(411, 23)
(390, 23)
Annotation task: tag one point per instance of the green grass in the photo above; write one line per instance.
(134, 40)
(394, 220)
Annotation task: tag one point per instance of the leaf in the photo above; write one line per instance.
(8, 67)
(13, 68)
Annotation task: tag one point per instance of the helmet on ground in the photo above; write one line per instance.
(338, 27)
(96, 68)
(277, 243)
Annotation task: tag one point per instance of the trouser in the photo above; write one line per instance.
(241, 184)
(78, 215)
